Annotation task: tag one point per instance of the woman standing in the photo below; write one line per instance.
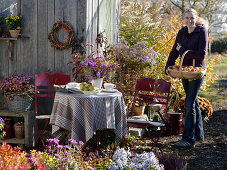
(192, 37)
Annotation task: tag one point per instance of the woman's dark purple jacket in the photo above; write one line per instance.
(197, 41)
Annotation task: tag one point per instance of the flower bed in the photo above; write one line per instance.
(70, 156)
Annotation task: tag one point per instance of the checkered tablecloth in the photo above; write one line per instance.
(85, 114)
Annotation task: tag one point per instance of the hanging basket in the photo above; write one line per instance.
(179, 72)
(19, 104)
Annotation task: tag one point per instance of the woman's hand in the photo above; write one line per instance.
(178, 47)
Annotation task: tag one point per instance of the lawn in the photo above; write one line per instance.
(217, 92)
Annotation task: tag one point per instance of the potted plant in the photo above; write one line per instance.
(18, 89)
(14, 24)
(139, 109)
(97, 65)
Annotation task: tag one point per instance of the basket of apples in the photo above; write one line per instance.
(186, 72)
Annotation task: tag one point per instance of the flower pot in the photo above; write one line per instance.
(19, 104)
(19, 130)
(139, 110)
(97, 83)
(14, 33)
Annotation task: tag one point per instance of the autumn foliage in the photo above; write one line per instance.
(144, 21)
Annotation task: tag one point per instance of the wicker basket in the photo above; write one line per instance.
(19, 104)
(185, 74)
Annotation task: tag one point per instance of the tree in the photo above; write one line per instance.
(214, 11)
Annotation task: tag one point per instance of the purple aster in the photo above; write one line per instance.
(59, 146)
(1, 120)
(57, 155)
(81, 143)
(67, 153)
(90, 168)
(65, 146)
(52, 141)
(64, 159)
(28, 155)
(74, 142)
(31, 161)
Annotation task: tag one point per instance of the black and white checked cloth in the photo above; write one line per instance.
(85, 114)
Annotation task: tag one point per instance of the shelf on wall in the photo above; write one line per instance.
(13, 39)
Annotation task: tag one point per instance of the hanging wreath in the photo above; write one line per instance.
(53, 36)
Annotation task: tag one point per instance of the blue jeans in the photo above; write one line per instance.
(193, 126)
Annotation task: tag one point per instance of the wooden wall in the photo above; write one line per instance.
(35, 54)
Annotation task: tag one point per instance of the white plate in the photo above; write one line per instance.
(74, 90)
(91, 92)
(109, 91)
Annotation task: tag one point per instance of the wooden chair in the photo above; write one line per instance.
(151, 91)
(44, 83)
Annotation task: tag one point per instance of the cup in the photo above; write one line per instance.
(73, 85)
(109, 86)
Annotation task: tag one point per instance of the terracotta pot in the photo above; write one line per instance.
(139, 110)
(8, 128)
(14, 33)
(19, 130)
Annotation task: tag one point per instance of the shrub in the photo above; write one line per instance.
(172, 161)
(205, 106)
(219, 45)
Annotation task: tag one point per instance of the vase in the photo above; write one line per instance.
(19, 104)
(139, 110)
(14, 33)
(97, 83)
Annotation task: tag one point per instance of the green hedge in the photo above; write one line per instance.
(219, 45)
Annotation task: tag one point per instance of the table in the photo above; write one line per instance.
(83, 115)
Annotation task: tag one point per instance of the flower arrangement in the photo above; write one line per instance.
(2, 132)
(99, 64)
(17, 85)
(14, 22)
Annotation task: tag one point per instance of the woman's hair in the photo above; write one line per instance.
(199, 20)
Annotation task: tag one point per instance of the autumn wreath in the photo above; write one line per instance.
(52, 36)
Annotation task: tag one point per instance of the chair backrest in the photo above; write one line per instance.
(152, 91)
(44, 83)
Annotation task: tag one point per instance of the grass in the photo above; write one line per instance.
(217, 92)
(220, 67)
